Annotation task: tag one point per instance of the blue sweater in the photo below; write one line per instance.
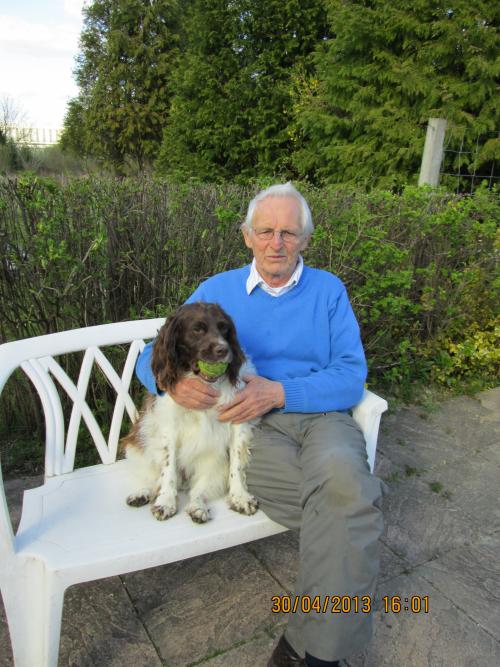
(307, 339)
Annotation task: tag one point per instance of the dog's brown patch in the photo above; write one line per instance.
(133, 439)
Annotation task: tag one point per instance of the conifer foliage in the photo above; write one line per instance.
(323, 90)
(388, 68)
(127, 51)
(232, 104)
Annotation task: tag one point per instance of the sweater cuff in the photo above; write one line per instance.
(294, 396)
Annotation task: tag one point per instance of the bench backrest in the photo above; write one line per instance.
(38, 359)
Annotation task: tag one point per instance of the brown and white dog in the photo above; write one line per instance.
(170, 443)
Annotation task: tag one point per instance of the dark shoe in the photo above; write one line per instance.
(284, 656)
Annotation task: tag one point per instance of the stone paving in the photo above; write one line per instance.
(442, 540)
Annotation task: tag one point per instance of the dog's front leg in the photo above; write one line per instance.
(165, 503)
(240, 499)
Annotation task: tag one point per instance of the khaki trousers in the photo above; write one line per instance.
(309, 472)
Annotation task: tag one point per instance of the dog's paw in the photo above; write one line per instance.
(198, 512)
(244, 503)
(162, 512)
(138, 499)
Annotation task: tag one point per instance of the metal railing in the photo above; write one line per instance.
(34, 136)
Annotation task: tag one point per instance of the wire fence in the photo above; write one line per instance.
(470, 158)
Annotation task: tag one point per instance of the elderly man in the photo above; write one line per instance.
(308, 467)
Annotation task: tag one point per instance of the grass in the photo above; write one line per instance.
(22, 454)
(437, 487)
(412, 472)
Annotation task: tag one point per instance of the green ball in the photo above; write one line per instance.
(212, 368)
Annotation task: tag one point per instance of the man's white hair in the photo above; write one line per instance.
(281, 190)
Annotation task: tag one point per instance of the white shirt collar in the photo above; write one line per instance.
(256, 280)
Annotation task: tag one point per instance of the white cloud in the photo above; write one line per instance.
(18, 35)
(73, 8)
(37, 63)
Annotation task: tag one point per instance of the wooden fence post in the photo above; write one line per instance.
(433, 152)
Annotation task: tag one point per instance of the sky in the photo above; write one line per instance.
(38, 45)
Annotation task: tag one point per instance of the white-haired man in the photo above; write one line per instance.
(308, 467)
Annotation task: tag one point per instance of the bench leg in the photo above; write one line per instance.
(33, 600)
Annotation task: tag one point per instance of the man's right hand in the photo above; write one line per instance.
(194, 394)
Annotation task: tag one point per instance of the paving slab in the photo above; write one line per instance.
(279, 555)
(474, 421)
(6, 659)
(490, 400)
(100, 628)
(14, 490)
(254, 653)
(472, 486)
(420, 524)
(409, 438)
(443, 637)
(198, 607)
(385, 469)
(470, 578)
(421, 439)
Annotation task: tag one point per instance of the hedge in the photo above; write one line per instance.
(420, 266)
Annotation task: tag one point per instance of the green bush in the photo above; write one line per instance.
(420, 266)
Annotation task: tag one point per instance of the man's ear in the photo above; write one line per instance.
(305, 242)
(246, 236)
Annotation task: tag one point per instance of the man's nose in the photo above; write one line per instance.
(277, 240)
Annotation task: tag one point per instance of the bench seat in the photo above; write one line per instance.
(80, 526)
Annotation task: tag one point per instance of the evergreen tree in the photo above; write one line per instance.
(127, 51)
(230, 112)
(74, 138)
(388, 68)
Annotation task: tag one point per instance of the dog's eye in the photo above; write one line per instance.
(200, 328)
(223, 327)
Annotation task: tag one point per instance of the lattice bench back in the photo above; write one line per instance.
(37, 358)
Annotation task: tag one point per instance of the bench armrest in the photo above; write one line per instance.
(367, 415)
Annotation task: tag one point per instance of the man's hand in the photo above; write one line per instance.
(194, 394)
(256, 399)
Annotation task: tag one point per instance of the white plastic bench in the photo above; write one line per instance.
(77, 527)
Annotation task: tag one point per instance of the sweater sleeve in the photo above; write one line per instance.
(143, 369)
(338, 386)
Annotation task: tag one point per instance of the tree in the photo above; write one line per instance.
(13, 120)
(127, 51)
(386, 70)
(74, 138)
(231, 107)
(13, 134)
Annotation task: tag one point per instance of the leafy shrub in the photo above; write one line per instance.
(476, 356)
(420, 266)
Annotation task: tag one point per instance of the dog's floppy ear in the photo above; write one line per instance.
(238, 356)
(165, 359)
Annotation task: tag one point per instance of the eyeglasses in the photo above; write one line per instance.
(285, 235)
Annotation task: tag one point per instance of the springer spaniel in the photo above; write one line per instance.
(169, 442)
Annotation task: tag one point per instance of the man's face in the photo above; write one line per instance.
(276, 257)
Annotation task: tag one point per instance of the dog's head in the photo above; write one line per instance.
(195, 332)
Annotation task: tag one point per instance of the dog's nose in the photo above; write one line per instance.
(216, 350)
(220, 350)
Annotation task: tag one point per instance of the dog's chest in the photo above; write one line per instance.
(196, 430)
(203, 427)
